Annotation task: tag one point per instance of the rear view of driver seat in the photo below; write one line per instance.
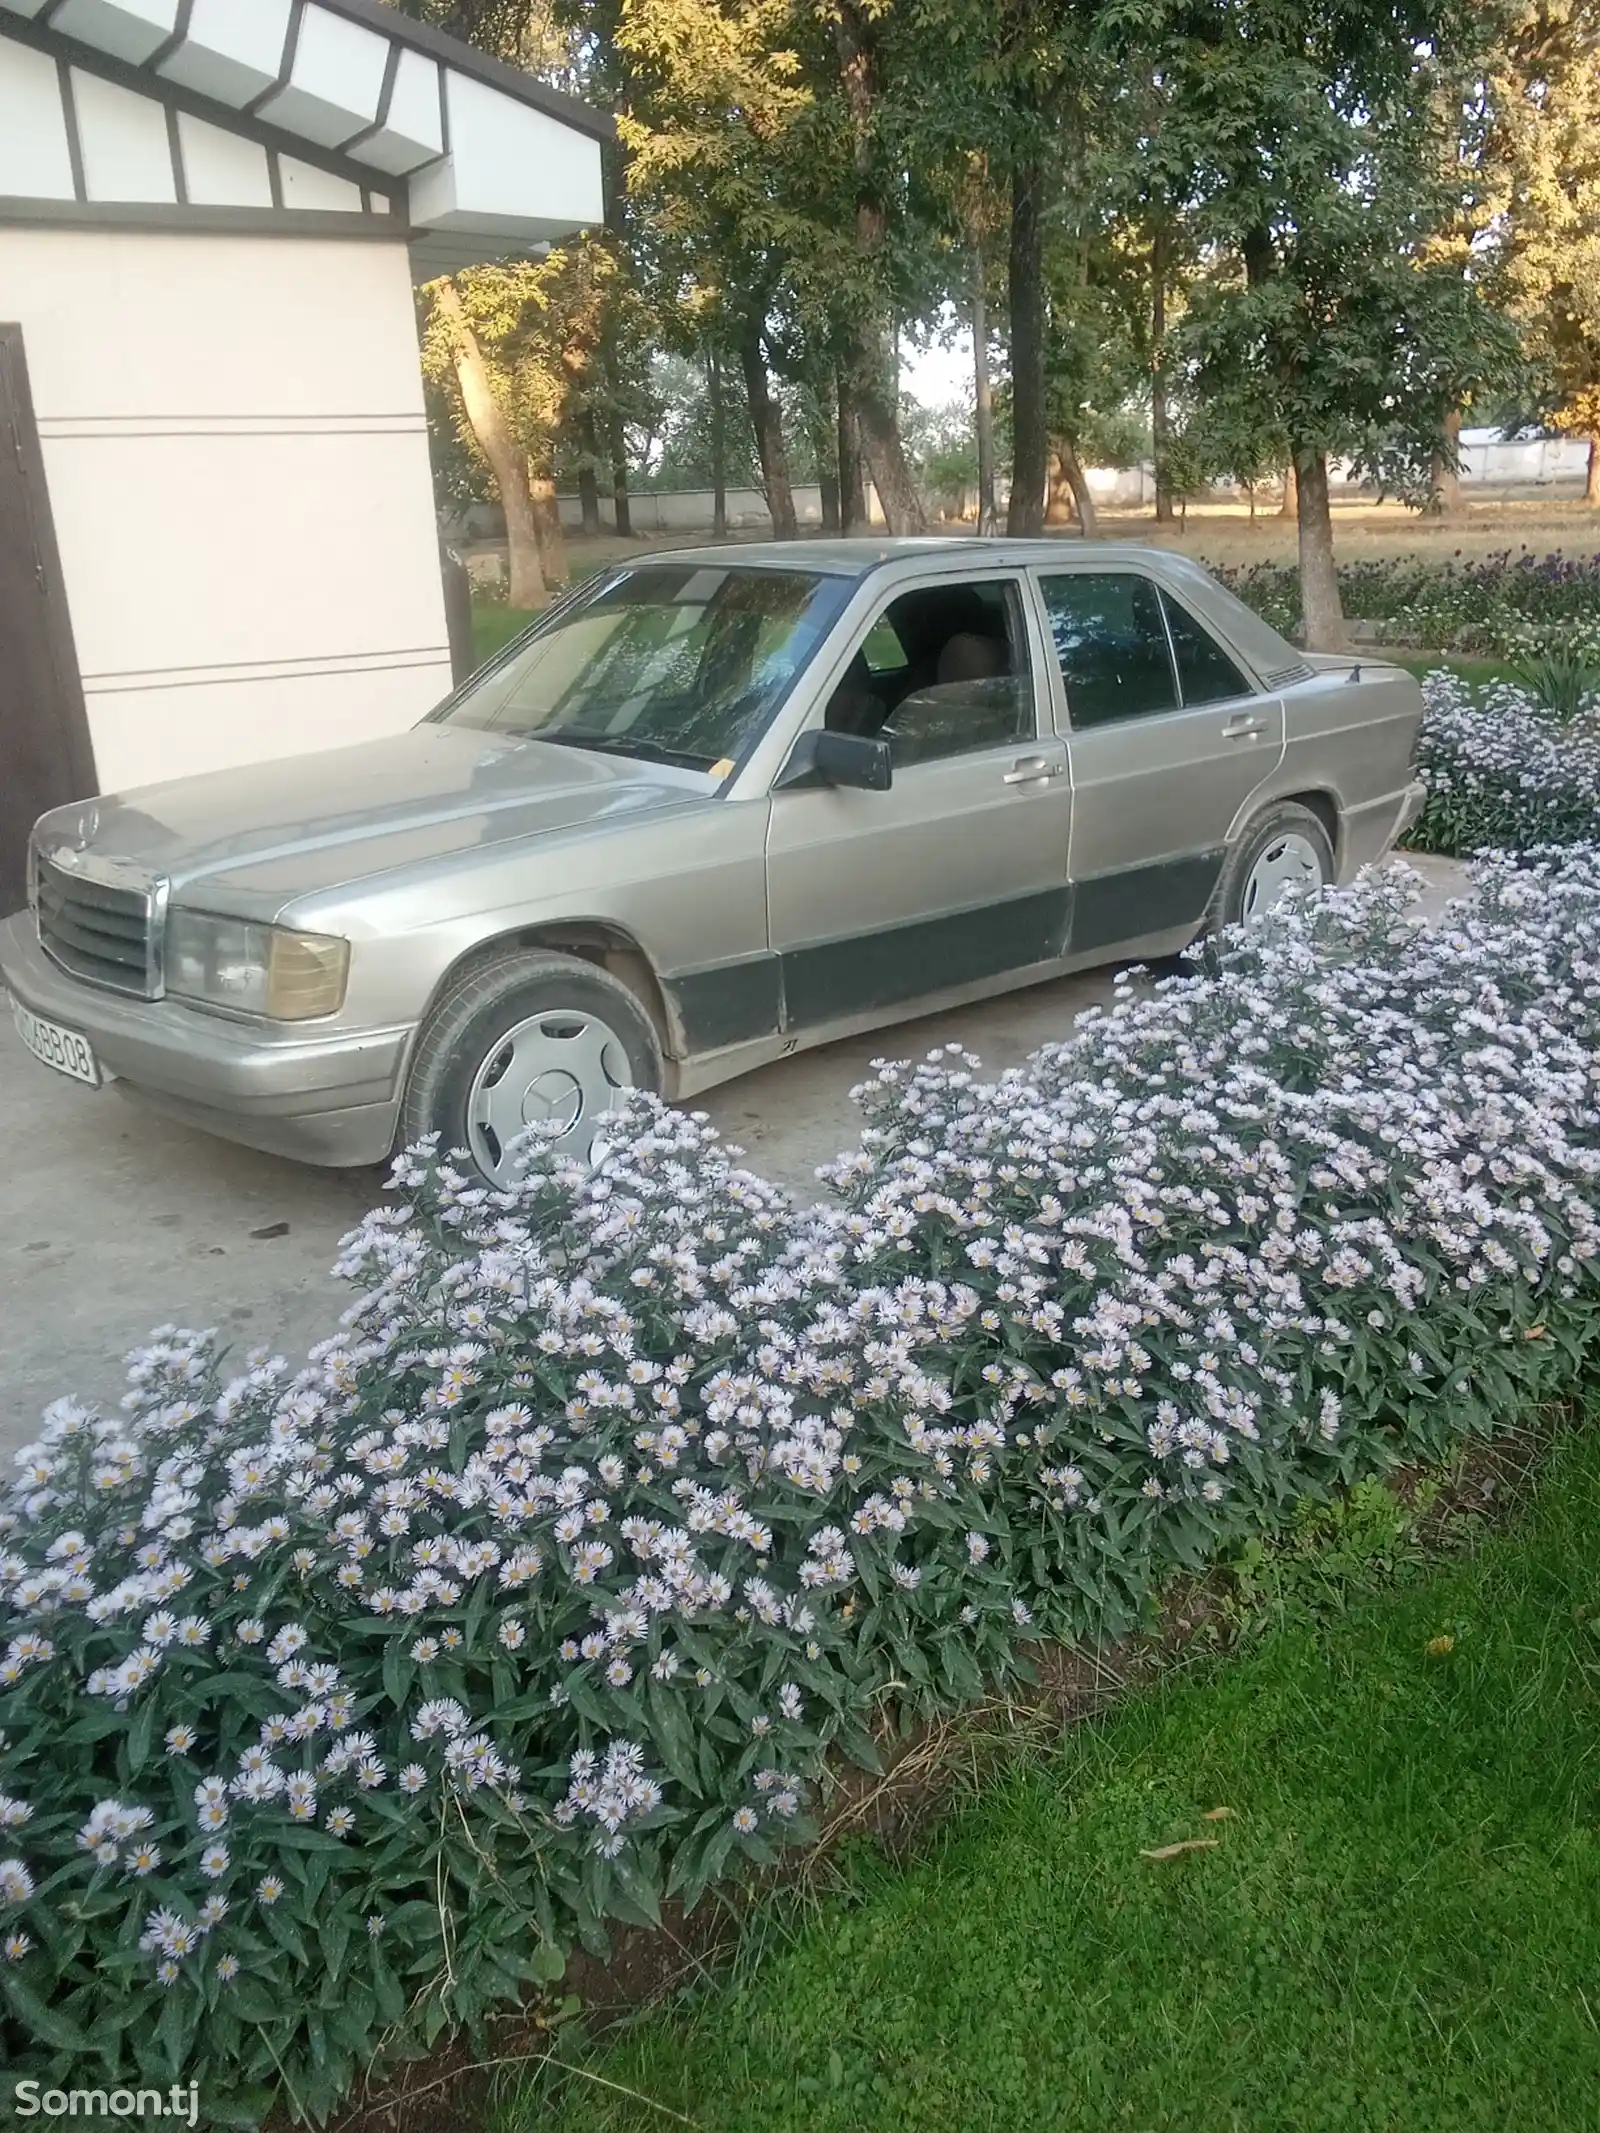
(967, 656)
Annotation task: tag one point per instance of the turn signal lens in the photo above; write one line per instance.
(306, 974)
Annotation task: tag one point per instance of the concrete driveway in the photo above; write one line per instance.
(113, 1221)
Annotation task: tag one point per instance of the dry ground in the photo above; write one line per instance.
(1367, 531)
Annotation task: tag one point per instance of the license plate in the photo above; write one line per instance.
(60, 1048)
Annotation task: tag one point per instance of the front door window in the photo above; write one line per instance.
(944, 671)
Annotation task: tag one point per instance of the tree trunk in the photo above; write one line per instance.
(1030, 442)
(1591, 488)
(852, 477)
(872, 364)
(719, 445)
(526, 587)
(885, 460)
(589, 500)
(1290, 507)
(588, 481)
(767, 424)
(1319, 578)
(1070, 469)
(621, 510)
(983, 398)
(1444, 483)
(1160, 422)
(616, 193)
(824, 442)
(1059, 508)
(547, 525)
(828, 480)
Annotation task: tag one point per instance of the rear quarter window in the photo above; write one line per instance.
(1206, 674)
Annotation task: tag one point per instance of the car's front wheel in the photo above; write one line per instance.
(527, 1038)
(1285, 848)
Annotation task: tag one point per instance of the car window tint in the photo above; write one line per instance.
(671, 662)
(965, 681)
(1206, 675)
(1112, 644)
(956, 718)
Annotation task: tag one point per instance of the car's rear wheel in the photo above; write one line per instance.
(1285, 848)
(527, 1038)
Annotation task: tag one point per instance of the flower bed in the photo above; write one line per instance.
(1513, 604)
(335, 1702)
(1502, 773)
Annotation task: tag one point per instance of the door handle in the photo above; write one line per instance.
(1033, 770)
(1243, 728)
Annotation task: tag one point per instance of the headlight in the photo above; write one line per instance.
(257, 970)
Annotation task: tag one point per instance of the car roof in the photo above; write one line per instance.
(1275, 660)
(857, 556)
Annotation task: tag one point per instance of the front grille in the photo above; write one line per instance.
(97, 929)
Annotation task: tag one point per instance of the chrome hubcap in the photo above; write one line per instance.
(562, 1070)
(1290, 861)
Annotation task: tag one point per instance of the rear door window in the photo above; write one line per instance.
(1111, 640)
(1206, 675)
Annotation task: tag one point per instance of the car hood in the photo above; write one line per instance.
(278, 830)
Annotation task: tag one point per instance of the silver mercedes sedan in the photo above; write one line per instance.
(716, 806)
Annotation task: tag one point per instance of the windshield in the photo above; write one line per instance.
(669, 662)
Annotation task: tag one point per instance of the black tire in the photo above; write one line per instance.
(477, 1012)
(1283, 818)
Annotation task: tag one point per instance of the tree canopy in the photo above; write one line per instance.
(1251, 235)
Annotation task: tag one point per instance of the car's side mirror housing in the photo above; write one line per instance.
(850, 761)
(854, 761)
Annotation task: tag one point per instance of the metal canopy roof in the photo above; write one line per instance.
(471, 158)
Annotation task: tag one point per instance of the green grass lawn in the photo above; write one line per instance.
(1476, 671)
(1398, 1927)
(493, 626)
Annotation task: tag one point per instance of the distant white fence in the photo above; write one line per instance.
(683, 510)
(1535, 462)
(1491, 462)
(677, 511)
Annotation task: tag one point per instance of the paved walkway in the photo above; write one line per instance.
(113, 1221)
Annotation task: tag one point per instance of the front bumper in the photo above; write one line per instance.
(332, 1099)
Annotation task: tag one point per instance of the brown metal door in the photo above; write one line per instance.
(45, 754)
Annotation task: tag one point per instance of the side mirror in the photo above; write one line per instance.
(846, 760)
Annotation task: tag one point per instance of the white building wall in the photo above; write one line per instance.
(237, 458)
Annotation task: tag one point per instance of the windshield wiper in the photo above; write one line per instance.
(627, 744)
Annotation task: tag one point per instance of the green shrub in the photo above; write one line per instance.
(1514, 605)
(1563, 681)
